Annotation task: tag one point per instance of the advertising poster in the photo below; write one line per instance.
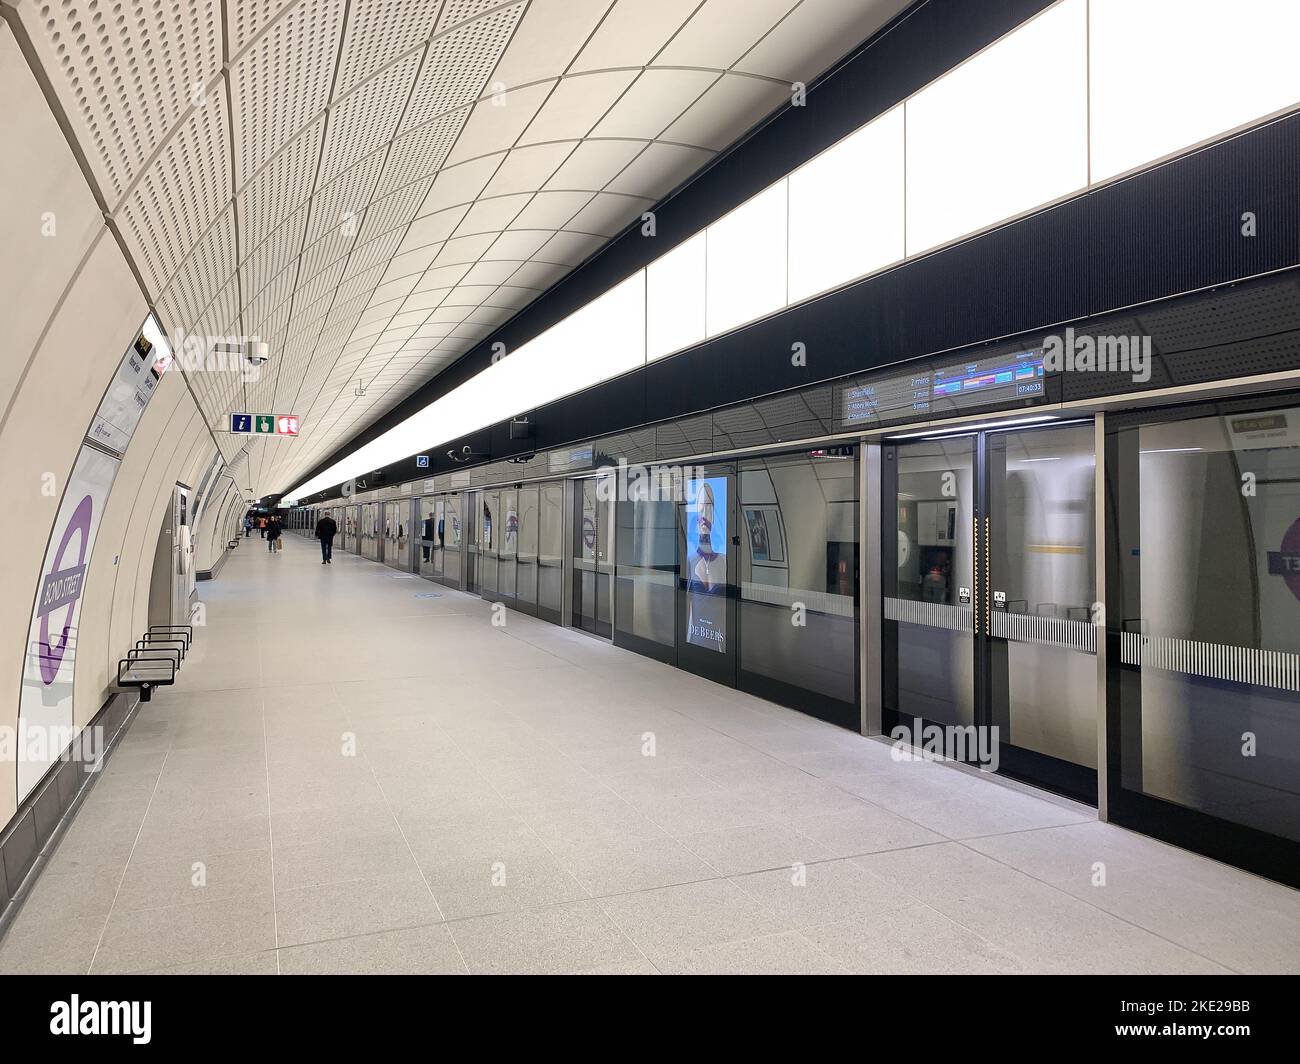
(133, 386)
(45, 726)
(706, 563)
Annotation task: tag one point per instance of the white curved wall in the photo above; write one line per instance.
(71, 308)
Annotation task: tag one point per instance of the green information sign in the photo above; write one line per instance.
(263, 423)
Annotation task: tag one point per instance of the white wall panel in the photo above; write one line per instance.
(846, 209)
(675, 308)
(1001, 134)
(747, 261)
(1167, 74)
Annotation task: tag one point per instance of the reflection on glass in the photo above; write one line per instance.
(647, 570)
(933, 580)
(1212, 615)
(526, 570)
(1046, 562)
(550, 551)
(798, 517)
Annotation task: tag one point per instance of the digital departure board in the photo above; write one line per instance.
(1001, 379)
(887, 399)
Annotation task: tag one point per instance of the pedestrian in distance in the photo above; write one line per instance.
(326, 529)
(273, 535)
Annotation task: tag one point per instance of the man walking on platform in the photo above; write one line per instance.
(326, 529)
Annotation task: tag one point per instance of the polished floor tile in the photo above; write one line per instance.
(380, 782)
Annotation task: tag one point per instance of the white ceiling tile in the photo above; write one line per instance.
(547, 40)
(633, 32)
(550, 210)
(460, 184)
(722, 31)
(735, 101)
(496, 123)
(608, 214)
(653, 102)
(493, 215)
(527, 169)
(595, 163)
(578, 103)
(659, 169)
(815, 35)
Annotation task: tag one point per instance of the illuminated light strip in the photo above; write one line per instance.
(968, 429)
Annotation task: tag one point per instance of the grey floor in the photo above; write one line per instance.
(358, 772)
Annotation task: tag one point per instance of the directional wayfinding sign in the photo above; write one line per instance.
(269, 424)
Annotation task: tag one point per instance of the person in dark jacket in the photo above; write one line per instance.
(273, 535)
(326, 530)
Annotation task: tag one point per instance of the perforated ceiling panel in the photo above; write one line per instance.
(373, 186)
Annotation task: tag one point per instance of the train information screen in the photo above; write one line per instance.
(888, 399)
(927, 391)
(1005, 378)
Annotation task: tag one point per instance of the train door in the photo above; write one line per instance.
(550, 551)
(989, 561)
(592, 554)
(451, 534)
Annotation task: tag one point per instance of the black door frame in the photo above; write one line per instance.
(989, 666)
(1246, 847)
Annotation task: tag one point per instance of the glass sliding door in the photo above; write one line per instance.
(798, 583)
(1203, 629)
(645, 586)
(508, 551)
(928, 579)
(489, 543)
(550, 551)
(592, 556)
(473, 539)
(989, 566)
(451, 537)
(526, 555)
(1042, 669)
(430, 551)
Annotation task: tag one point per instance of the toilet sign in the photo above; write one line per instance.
(286, 425)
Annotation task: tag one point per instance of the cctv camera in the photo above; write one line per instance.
(257, 352)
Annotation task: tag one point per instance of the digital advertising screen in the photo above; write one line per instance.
(706, 563)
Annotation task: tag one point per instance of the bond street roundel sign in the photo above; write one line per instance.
(61, 588)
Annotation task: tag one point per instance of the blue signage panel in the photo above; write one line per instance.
(241, 422)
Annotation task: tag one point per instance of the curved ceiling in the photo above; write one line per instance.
(373, 186)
